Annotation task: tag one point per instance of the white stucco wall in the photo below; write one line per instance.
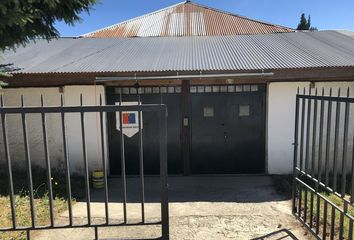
(71, 96)
(281, 121)
(280, 126)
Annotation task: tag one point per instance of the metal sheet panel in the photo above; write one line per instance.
(187, 19)
(203, 53)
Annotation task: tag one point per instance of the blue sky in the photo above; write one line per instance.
(325, 14)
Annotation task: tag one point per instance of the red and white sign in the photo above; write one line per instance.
(130, 120)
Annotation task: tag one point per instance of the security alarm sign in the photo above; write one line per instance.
(130, 120)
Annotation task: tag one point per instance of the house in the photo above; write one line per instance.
(229, 83)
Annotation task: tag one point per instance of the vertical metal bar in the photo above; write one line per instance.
(48, 166)
(305, 205)
(336, 143)
(67, 164)
(96, 233)
(29, 165)
(341, 220)
(300, 199)
(318, 213)
(324, 231)
(141, 158)
(295, 151)
(28, 235)
(122, 158)
(308, 130)
(87, 180)
(311, 209)
(320, 144)
(104, 168)
(302, 132)
(345, 147)
(9, 167)
(352, 182)
(333, 222)
(328, 139)
(350, 234)
(164, 172)
(314, 130)
(319, 166)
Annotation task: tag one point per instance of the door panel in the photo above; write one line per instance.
(150, 136)
(233, 141)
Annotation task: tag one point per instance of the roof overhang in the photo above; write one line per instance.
(128, 79)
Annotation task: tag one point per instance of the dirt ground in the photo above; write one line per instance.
(241, 207)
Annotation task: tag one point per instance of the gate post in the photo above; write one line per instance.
(295, 151)
(164, 172)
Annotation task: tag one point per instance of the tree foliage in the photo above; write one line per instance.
(25, 20)
(305, 24)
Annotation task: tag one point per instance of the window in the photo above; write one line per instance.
(216, 88)
(171, 89)
(239, 88)
(200, 89)
(156, 90)
(208, 112)
(141, 90)
(246, 88)
(244, 110)
(163, 90)
(223, 89)
(148, 90)
(133, 91)
(125, 90)
(117, 90)
(254, 88)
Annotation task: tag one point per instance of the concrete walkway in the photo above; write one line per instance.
(241, 207)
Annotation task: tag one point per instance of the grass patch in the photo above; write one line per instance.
(335, 200)
(23, 213)
(22, 200)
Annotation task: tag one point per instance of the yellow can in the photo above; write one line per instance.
(98, 179)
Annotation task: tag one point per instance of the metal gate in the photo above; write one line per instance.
(323, 181)
(81, 110)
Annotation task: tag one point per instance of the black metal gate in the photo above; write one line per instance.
(323, 181)
(81, 110)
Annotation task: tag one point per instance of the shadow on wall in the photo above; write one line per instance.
(277, 235)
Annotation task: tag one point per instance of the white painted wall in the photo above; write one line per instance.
(280, 126)
(71, 96)
(281, 121)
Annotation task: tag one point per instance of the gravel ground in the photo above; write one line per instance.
(242, 208)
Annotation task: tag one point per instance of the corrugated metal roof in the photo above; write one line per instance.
(209, 53)
(187, 19)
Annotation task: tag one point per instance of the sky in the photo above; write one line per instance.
(325, 14)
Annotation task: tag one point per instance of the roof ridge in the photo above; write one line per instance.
(183, 4)
(236, 15)
(135, 18)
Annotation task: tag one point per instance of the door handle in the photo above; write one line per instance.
(225, 136)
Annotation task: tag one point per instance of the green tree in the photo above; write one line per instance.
(24, 20)
(305, 24)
